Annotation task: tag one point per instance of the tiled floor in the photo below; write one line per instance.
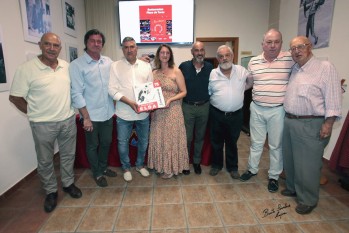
(188, 204)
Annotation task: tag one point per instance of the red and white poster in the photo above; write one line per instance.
(149, 96)
(156, 23)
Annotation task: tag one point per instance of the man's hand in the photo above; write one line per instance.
(326, 128)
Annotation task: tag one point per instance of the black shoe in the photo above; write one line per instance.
(304, 209)
(186, 172)
(235, 174)
(197, 168)
(50, 202)
(273, 185)
(101, 181)
(246, 176)
(288, 193)
(73, 191)
(109, 173)
(214, 171)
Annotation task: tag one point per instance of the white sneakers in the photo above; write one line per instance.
(144, 172)
(128, 176)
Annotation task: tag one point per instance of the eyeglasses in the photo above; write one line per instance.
(298, 47)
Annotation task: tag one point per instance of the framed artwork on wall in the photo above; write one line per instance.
(4, 83)
(69, 12)
(315, 21)
(71, 51)
(36, 19)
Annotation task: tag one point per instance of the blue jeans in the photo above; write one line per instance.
(263, 121)
(124, 129)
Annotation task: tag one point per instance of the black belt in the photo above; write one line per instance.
(195, 103)
(225, 113)
(291, 116)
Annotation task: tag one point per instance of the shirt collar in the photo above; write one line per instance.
(89, 59)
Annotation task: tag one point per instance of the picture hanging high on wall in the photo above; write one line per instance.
(69, 12)
(315, 21)
(4, 84)
(36, 19)
(71, 51)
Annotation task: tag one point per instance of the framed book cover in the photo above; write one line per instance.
(149, 96)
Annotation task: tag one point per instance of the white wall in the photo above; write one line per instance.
(336, 52)
(17, 151)
(246, 19)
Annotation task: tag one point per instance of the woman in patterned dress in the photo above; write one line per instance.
(167, 152)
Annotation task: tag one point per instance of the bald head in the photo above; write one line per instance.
(300, 48)
(198, 52)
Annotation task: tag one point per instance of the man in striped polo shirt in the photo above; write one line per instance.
(270, 72)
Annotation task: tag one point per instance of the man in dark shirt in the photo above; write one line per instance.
(196, 104)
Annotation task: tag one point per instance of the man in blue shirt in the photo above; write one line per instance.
(90, 78)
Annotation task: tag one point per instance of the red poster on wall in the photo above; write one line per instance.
(156, 23)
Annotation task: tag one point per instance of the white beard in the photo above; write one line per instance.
(226, 65)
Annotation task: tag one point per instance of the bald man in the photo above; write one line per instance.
(312, 104)
(41, 90)
(196, 104)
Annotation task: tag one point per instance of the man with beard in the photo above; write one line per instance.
(312, 104)
(196, 104)
(226, 88)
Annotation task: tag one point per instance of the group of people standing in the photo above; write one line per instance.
(48, 89)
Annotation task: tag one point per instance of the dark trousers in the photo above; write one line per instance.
(97, 146)
(225, 131)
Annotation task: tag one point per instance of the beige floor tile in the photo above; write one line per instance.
(170, 231)
(168, 216)
(86, 180)
(174, 181)
(193, 179)
(207, 230)
(196, 193)
(99, 219)
(291, 212)
(253, 191)
(133, 218)
(116, 181)
(271, 211)
(245, 229)
(343, 225)
(235, 213)
(167, 195)
(225, 192)
(108, 197)
(64, 220)
(282, 228)
(138, 196)
(85, 200)
(319, 227)
(202, 215)
(332, 209)
(223, 177)
(139, 180)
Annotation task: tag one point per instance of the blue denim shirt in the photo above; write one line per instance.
(89, 86)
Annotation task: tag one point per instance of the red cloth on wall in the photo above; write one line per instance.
(81, 160)
(340, 155)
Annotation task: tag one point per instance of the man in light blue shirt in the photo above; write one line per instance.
(90, 78)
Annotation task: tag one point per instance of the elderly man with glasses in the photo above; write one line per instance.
(312, 104)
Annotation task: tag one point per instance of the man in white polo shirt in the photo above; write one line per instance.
(41, 89)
